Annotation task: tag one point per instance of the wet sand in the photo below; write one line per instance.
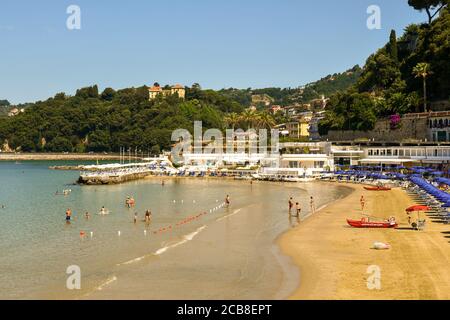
(333, 258)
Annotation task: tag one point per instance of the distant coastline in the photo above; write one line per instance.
(57, 156)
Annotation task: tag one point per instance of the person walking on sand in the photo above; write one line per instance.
(312, 205)
(291, 204)
(362, 201)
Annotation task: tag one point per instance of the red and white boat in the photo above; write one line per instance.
(364, 223)
(378, 188)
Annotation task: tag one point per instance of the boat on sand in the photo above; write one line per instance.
(377, 188)
(364, 223)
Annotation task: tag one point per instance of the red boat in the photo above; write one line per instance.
(377, 188)
(363, 223)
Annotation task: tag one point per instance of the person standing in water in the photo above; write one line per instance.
(87, 215)
(148, 216)
(291, 204)
(227, 200)
(312, 205)
(135, 217)
(298, 209)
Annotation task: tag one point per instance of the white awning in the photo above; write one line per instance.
(379, 160)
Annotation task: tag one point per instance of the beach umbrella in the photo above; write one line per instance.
(418, 208)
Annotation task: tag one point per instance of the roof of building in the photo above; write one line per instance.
(155, 89)
(177, 86)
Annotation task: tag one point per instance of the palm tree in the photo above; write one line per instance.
(422, 70)
(232, 119)
(266, 121)
(249, 117)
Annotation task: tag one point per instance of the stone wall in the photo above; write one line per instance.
(409, 129)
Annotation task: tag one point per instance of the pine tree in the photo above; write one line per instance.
(392, 47)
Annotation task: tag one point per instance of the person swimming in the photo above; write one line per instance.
(68, 214)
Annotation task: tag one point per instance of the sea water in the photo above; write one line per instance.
(194, 247)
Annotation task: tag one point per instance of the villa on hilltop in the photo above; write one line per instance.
(156, 90)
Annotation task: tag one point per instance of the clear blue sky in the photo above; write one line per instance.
(217, 43)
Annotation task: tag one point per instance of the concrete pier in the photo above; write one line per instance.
(92, 179)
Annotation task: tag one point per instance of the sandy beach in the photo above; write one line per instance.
(333, 258)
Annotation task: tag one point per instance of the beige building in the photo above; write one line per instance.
(14, 112)
(298, 129)
(156, 90)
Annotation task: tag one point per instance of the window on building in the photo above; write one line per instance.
(319, 164)
(293, 164)
(441, 136)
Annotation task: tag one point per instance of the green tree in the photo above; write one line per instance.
(108, 94)
(232, 120)
(392, 46)
(422, 70)
(431, 7)
(266, 121)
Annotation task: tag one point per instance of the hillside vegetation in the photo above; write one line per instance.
(403, 76)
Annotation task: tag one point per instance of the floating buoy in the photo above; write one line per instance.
(174, 201)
